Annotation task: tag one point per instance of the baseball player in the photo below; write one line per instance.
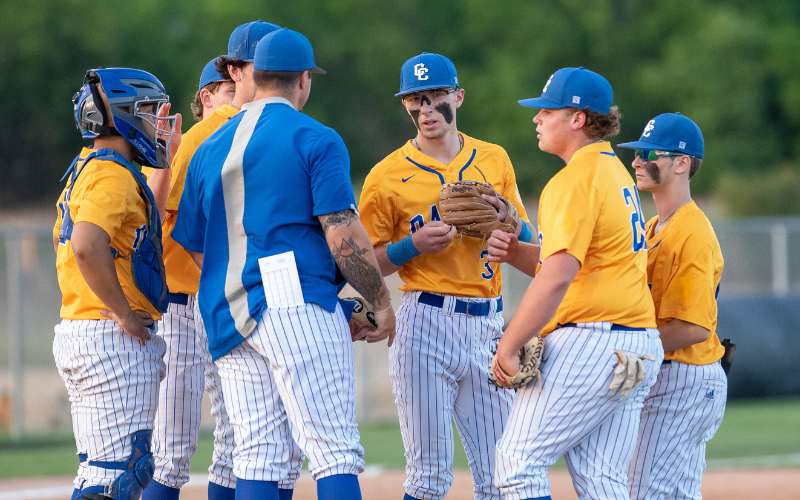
(107, 238)
(188, 359)
(589, 301)
(189, 367)
(269, 209)
(451, 315)
(684, 408)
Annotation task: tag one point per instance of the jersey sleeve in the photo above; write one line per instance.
(689, 294)
(329, 169)
(374, 210)
(190, 226)
(180, 164)
(568, 213)
(107, 197)
(511, 190)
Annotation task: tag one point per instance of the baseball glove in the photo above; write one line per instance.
(530, 357)
(362, 313)
(628, 372)
(461, 205)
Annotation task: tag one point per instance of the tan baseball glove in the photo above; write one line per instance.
(530, 357)
(628, 372)
(363, 313)
(461, 205)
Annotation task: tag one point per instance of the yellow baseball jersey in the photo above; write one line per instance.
(183, 275)
(107, 195)
(590, 209)
(399, 196)
(684, 268)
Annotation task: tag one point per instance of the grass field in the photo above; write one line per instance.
(750, 429)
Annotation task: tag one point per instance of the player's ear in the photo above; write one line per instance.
(205, 97)
(682, 165)
(578, 119)
(459, 97)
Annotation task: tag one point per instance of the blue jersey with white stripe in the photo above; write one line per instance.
(254, 189)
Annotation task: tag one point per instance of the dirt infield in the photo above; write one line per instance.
(781, 484)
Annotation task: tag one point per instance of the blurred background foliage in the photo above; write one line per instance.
(730, 65)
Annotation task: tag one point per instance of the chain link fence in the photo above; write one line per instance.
(762, 258)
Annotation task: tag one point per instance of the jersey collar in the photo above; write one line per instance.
(599, 147)
(267, 100)
(463, 159)
(226, 111)
(681, 212)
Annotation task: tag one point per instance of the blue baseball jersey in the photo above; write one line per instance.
(255, 189)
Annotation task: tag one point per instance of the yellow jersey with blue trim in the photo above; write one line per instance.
(684, 268)
(399, 196)
(106, 195)
(590, 209)
(183, 274)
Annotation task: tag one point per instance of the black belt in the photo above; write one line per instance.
(483, 308)
(666, 362)
(614, 327)
(178, 298)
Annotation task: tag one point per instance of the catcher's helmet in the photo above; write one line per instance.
(132, 97)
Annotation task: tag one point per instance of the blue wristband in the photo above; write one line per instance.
(525, 235)
(402, 251)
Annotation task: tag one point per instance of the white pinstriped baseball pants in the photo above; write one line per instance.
(571, 412)
(439, 367)
(681, 414)
(189, 372)
(112, 383)
(292, 380)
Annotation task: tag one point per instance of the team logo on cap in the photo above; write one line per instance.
(681, 145)
(649, 128)
(544, 90)
(420, 71)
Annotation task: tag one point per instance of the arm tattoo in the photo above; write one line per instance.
(358, 271)
(341, 218)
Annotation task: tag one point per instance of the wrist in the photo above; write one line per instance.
(402, 251)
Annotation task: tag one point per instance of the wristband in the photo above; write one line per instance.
(525, 234)
(401, 252)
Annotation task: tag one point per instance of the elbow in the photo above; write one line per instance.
(701, 334)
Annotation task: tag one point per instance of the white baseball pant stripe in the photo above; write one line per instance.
(571, 412)
(681, 414)
(293, 379)
(439, 370)
(112, 383)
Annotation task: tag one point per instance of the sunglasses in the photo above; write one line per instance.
(653, 155)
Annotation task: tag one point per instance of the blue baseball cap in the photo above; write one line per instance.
(243, 39)
(287, 51)
(578, 88)
(210, 74)
(427, 71)
(672, 132)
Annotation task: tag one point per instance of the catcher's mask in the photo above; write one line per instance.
(133, 97)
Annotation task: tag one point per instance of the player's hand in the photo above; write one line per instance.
(386, 326)
(498, 204)
(502, 246)
(135, 323)
(433, 237)
(507, 361)
(173, 137)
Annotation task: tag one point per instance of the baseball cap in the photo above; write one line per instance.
(671, 132)
(574, 88)
(427, 71)
(243, 39)
(286, 50)
(210, 74)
